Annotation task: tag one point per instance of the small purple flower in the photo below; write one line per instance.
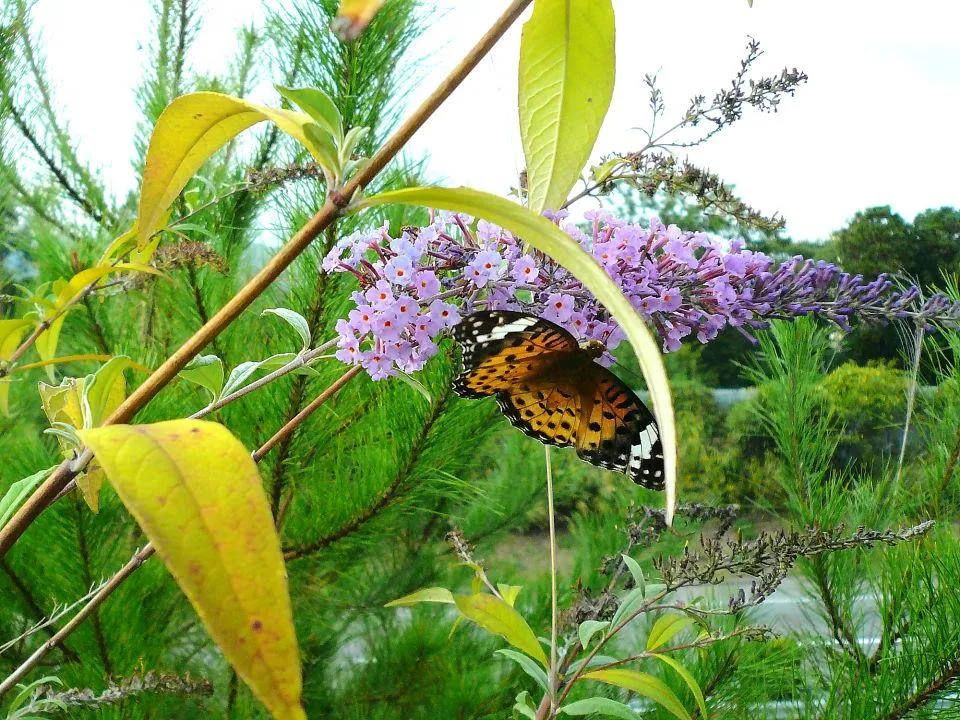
(525, 270)
(399, 270)
(670, 300)
(405, 308)
(377, 363)
(349, 350)
(426, 284)
(361, 318)
(444, 313)
(558, 308)
(403, 247)
(387, 326)
(380, 295)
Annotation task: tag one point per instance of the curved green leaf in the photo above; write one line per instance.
(567, 66)
(636, 572)
(643, 684)
(665, 628)
(688, 679)
(205, 371)
(600, 706)
(317, 105)
(588, 628)
(18, 492)
(493, 614)
(430, 594)
(528, 665)
(551, 240)
(297, 321)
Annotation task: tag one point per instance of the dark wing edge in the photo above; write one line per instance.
(634, 446)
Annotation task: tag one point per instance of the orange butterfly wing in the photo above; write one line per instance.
(550, 389)
(503, 347)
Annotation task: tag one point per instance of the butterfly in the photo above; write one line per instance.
(551, 388)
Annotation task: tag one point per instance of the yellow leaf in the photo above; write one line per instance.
(644, 684)
(509, 593)
(493, 614)
(548, 238)
(664, 629)
(10, 333)
(5, 397)
(188, 132)
(354, 16)
(90, 481)
(62, 403)
(46, 344)
(79, 282)
(120, 246)
(566, 74)
(194, 490)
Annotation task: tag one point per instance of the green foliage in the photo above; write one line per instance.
(869, 403)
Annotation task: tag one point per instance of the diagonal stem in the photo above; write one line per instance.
(142, 555)
(337, 200)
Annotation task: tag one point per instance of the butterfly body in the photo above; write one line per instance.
(551, 388)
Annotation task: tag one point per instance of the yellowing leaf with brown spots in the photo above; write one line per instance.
(197, 494)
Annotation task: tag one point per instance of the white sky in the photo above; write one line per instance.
(876, 124)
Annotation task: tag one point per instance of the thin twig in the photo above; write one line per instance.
(297, 419)
(136, 561)
(552, 680)
(302, 360)
(332, 208)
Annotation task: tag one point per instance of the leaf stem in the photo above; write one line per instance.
(553, 585)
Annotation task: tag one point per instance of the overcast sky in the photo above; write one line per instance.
(876, 124)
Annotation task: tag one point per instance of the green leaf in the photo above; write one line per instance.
(595, 661)
(548, 238)
(588, 628)
(524, 706)
(322, 146)
(187, 483)
(317, 105)
(205, 371)
(528, 665)
(297, 321)
(688, 679)
(238, 376)
(643, 684)
(105, 390)
(493, 614)
(430, 594)
(509, 593)
(567, 67)
(665, 628)
(635, 571)
(629, 604)
(18, 492)
(350, 143)
(410, 380)
(600, 706)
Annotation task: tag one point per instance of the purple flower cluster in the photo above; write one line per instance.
(415, 286)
